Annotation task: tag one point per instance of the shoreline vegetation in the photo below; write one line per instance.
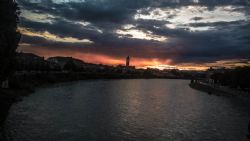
(232, 82)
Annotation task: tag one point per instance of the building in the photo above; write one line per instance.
(127, 61)
(74, 64)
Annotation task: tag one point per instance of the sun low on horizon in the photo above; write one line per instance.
(163, 34)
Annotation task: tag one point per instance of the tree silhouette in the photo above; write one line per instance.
(70, 66)
(9, 37)
(236, 78)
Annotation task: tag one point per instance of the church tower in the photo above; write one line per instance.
(127, 61)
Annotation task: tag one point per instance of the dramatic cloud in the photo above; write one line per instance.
(160, 33)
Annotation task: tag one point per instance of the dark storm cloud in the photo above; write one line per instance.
(62, 28)
(94, 11)
(134, 47)
(228, 40)
(115, 11)
(209, 48)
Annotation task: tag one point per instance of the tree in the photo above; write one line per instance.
(70, 66)
(9, 37)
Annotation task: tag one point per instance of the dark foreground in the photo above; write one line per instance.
(7, 98)
(4, 108)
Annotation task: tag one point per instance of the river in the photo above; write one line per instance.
(129, 110)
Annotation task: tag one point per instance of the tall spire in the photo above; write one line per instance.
(127, 61)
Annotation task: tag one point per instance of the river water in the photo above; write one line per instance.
(129, 110)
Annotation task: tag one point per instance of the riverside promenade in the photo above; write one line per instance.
(219, 90)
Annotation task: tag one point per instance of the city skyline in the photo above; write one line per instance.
(160, 34)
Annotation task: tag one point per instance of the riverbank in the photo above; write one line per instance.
(29, 81)
(7, 98)
(208, 89)
(5, 103)
(220, 91)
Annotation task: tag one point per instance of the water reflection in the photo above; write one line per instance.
(126, 110)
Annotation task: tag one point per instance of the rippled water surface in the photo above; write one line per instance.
(136, 110)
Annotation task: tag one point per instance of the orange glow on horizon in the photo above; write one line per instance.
(109, 60)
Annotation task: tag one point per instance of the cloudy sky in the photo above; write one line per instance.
(187, 34)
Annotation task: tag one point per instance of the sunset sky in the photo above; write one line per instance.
(187, 34)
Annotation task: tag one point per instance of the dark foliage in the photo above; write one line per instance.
(236, 78)
(9, 36)
(70, 66)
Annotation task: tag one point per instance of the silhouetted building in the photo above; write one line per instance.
(69, 63)
(127, 61)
